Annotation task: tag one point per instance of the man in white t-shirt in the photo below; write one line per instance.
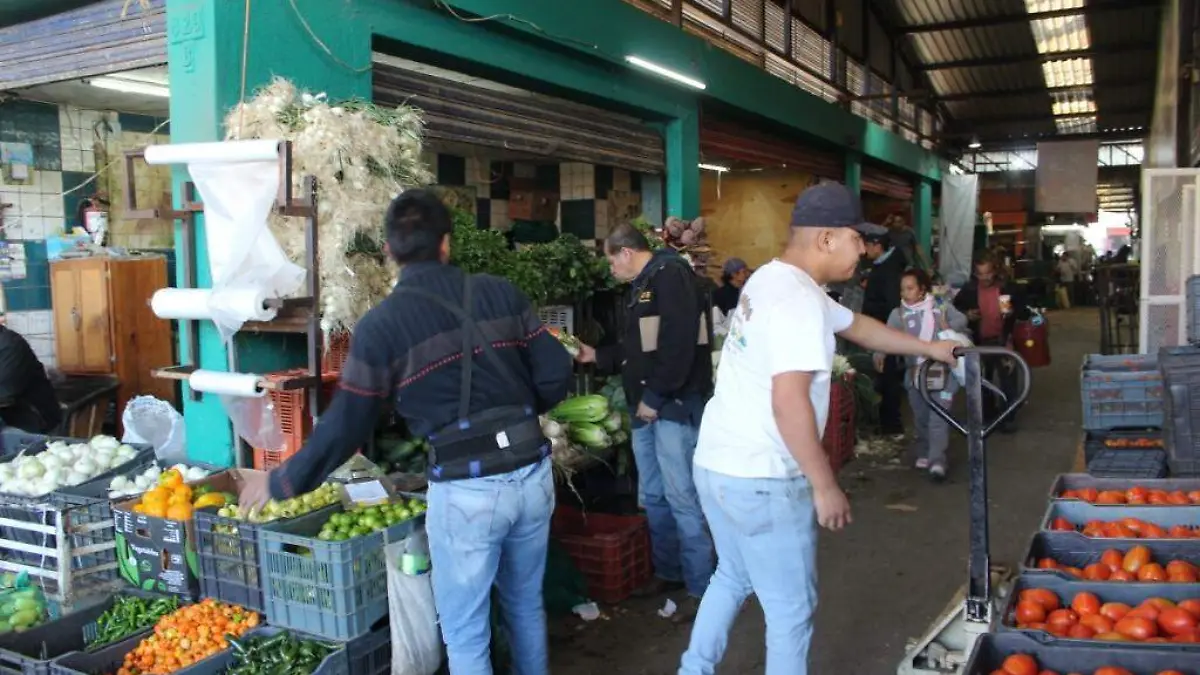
(763, 478)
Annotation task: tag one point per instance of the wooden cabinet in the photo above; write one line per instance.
(103, 323)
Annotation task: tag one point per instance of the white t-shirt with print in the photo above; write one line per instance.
(784, 322)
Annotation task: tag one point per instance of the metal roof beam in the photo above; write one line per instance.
(972, 123)
(1034, 91)
(1012, 141)
(1107, 50)
(1095, 7)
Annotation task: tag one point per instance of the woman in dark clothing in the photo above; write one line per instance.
(733, 277)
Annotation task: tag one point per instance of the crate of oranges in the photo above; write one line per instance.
(155, 534)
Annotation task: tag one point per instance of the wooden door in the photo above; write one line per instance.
(82, 320)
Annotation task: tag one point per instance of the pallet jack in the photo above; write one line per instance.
(946, 645)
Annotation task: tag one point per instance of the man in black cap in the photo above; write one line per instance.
(763, 478)
(881, 295)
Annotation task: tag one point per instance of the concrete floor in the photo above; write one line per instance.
(885, 578)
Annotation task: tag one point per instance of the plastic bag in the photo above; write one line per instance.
(416, 643)
(254, 420)
(151, 421)
(22, 604)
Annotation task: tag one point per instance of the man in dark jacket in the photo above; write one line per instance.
(468, 365)
(881, 294)
(993, 304)
(27, 399)
(665, 360)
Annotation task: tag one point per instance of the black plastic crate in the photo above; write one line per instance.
(1121, 439)
(371, 654)
(1184, 468)
(1072, 549)
(991, 650)
(1129, 464)
(30, 652)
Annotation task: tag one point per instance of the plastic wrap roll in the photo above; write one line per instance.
(229, 384)
(200, 303)
(220, 152)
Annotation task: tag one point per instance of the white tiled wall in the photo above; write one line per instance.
(38, 329)
(79, 130)
(500, 219)
(479, 176)
(577, 181)
(37, 206)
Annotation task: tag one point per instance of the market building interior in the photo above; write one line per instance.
(1060, 136)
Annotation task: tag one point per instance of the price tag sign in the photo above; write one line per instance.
(366, 493)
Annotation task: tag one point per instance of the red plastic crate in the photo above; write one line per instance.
(292, 413)
(612, 552)
(337, 348)
(840, 436)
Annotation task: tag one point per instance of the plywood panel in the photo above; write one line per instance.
(747, 214)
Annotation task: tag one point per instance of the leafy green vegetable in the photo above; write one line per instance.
(130, 615)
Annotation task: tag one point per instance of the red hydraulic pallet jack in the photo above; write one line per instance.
(947, 643)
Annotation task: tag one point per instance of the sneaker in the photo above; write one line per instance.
(922, 464)
(937, 472)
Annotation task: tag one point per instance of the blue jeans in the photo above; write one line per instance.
(485, 531)
(766, 535)
(680, 546)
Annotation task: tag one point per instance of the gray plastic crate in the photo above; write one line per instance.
(371, 654)
(334, 664)
(30, 652)
(1192, 291)
(1129, 464)
(1121, 392)
(334, 590)
(1079, 481)
(991, 650)
(228, 552)
(1130, 594)
(1181, 406)
(1184, 468)
(1079, 513)
(1072, 549)
(108, 660)
(1121, 439)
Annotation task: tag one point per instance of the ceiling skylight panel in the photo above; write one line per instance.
(1076, 125)
(1068, 73)
(1077, 102)
(1060, 34)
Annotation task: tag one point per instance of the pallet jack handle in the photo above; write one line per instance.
(978, 602)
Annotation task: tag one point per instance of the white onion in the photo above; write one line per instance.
(75, 478)
(104, 442)
(30, 470)
(86, 467)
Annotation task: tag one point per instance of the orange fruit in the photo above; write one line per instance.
(179, 512)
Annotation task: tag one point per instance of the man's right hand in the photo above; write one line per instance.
(833, 509)
(586, 354)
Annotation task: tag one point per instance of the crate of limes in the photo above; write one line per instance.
(227, 543)
(324, 574)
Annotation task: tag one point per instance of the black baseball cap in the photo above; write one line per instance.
(832, 204)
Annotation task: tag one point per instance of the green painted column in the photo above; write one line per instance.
(683, 166)
(321, 46)
(923, 213)
(854, 172)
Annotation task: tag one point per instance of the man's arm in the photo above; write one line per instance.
(797, 421)
(548, 361)
(876, 337)
(368, 378)
(679, 327)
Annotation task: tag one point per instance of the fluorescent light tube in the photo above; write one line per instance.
(714, 167)
(975, 144)
(665, 72)
(130, 86)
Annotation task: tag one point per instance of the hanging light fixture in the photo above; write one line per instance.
(665, 72)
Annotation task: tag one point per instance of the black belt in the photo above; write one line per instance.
(490, 442)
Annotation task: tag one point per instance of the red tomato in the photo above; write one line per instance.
(1097, 572)
(1029, 612)
(1137, 628)
(1152, 572)
(1177, 621)
(1191, 606)
(1160, 603)
(1093, 529)
(1062, 620)
(1178, 498)
(1097, 622)
(1085, 604)
(1111, 670)
(1110, 497)
(1112, 637)
(1187, 638)
(1122, 575)
(1194, 496)
(1047, 564)
(1073, 571)
(1087, 494)
(1062, 524)
(1044, 597)
(1180, 532)
(1170, 672)
(1135, 558)
(1080, 632)
(1119, 531)
(1020, 664)
(1158, 498)
(1152, 531)
(1136, 493)
(1113, 558)
(1114, 611)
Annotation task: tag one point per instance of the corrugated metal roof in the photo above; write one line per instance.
(986, 79)
(937, 11)
(1019, 107)
(973, 43)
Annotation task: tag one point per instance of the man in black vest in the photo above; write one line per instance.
(470, 367)
(665, 360)
(27, 399)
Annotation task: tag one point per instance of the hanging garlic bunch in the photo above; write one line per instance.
(362, 156)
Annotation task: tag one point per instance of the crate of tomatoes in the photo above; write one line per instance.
(1073, 556)
(1017, 654)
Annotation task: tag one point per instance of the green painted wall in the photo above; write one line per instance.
(204, 54)
(854, 172)
(923, 213)
(577, 54)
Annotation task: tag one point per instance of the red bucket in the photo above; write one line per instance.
(1032, 341)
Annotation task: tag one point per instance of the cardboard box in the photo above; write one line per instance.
(158, 554)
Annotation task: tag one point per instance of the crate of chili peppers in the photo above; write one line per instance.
(130, 613)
